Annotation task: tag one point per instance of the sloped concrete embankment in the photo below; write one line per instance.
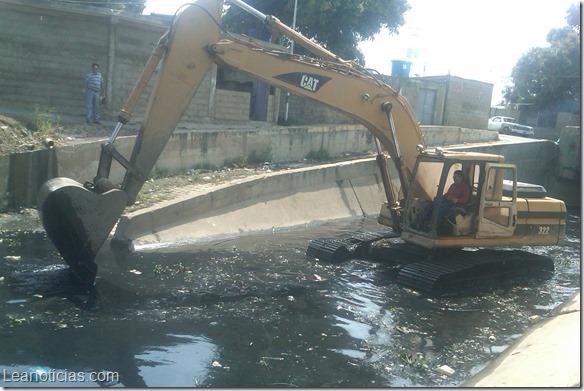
(272, 201)
(546, 355)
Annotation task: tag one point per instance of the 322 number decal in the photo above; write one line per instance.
(544, 230)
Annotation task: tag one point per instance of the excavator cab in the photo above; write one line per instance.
(489, 213)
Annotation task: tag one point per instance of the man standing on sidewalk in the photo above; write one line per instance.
(92, 90)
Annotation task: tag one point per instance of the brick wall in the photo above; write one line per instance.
(231, 106)
(47, 50)
(45, 55)
(304, 112)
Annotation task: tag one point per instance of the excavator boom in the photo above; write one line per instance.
(78, 219)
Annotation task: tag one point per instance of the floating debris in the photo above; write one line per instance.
(534, 319)
(444, 370)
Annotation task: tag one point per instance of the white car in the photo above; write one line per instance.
(507, 125)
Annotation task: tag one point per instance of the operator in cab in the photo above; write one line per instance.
(458, 194)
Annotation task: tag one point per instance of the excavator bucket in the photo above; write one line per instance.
(78, 221)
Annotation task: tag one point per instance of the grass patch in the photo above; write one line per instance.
(45, 121)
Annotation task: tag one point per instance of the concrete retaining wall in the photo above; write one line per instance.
(556, 166)
(569, 167)
(21, 175)
(208, 146)
(214, 146)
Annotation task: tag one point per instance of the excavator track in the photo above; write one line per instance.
(430, 272)
(464, 269)
(346, 246)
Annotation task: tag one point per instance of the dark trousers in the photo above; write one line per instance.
(426, 212)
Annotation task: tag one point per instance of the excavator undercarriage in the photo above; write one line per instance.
(433, 272)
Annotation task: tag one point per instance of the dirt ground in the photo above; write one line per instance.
(28, 133)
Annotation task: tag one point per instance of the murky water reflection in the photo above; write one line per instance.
(255, 312)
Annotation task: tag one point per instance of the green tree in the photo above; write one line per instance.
(549, 77)
(337, 25)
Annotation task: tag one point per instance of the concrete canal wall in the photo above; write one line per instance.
(543, 162)
(288, 199)
(300, 197)
(556, 166)
(208, 146)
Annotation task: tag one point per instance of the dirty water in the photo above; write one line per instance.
(253, 312)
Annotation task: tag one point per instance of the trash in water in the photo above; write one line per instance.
(444, 370)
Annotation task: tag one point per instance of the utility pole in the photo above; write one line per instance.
(291, 51)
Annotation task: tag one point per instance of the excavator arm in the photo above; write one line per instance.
(342, 87)
(78, 219)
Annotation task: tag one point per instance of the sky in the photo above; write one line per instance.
(478, 40)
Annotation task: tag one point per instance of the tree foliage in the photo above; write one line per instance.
(337, 25)
(549, 77)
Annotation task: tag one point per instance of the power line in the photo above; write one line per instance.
(89, 2)
(100, 4)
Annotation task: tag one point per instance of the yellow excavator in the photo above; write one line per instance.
(501, 212)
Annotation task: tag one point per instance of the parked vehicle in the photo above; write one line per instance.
(508, 125)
